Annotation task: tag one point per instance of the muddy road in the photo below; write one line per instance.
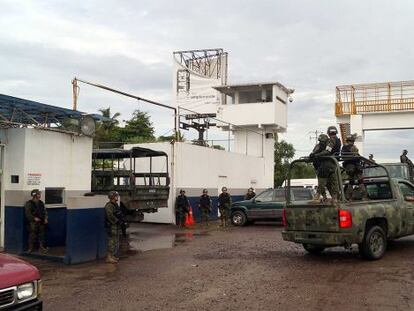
(249, 268)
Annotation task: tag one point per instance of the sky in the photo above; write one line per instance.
(310, 46)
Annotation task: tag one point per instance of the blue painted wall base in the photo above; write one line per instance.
(81, 231)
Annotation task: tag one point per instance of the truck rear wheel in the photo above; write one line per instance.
(238, 218)
(375, 243)
(313, 249)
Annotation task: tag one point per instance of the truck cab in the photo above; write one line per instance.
(385, 213)
(20, 284)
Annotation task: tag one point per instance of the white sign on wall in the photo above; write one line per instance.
(34, 179)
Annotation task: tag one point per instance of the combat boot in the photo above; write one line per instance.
(43, 249)
(111, 259)
(317, 197)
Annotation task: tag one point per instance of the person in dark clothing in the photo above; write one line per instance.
(325, 168)
(250, 194)
(36, 217)
(224, 205)
(406, 160)
(335, 141)
(353, 168)
(182, 208)
(113, 226)
(205, 205)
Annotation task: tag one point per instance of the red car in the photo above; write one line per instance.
(20, 285)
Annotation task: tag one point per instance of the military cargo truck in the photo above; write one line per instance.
(139, 175)
(386, 214)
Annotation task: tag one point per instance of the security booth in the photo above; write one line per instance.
(49, 148)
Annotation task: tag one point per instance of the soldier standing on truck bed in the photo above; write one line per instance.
(405, 159)
(353, 168)
(325, 168)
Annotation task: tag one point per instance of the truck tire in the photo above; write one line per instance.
(313, 249)
(374, 244)
(238, 218)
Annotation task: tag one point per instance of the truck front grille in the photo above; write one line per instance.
(6, 297)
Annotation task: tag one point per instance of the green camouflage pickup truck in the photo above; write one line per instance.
(386, 213)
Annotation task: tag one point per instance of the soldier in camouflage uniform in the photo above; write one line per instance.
(250, 194)
(405, 159)
(36, 217)
(182, 208)
(335, 141)
(205, 206)
(224, 205)
(113, 226)
(353, 168)
(325, 168)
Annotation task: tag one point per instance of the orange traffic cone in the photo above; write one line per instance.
(189, 219)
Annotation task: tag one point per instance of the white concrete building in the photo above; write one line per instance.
(36, 155)
(250, 113)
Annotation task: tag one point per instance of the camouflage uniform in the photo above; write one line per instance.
(250, 194)
(405, 159)
(205, 206)
(113, 227)
(224, 205)
(37, 229)
(352, 168)
(325, 168)
(182, 208)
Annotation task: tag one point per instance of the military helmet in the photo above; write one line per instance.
(331, 130)
(350, 138)
(112, 194)
(35, 192)
(405, 151)
(323, 138)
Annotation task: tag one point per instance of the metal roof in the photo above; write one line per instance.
(135, 152)
(19, 111)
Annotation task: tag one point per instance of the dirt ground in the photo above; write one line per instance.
(248, 268)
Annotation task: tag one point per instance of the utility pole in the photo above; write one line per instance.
(314, 135)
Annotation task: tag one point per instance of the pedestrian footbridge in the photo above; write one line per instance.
(375, 106)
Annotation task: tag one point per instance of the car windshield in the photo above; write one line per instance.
(265, 196)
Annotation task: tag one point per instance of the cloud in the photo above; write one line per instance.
(310, 46)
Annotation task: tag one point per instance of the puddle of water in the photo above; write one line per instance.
(145, 241)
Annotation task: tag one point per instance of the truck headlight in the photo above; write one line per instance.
(25, 291)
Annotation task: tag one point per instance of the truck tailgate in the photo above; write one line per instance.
(307, 217)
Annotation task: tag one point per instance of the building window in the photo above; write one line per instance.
(54, 195)
(14, 179)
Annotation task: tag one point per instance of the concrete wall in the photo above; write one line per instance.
(193, 168)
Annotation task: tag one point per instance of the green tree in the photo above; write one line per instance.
(180, 137)
(284, 152)
(303, 170)
(106, 129)
(138, 129)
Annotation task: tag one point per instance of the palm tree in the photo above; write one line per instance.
(109, 125)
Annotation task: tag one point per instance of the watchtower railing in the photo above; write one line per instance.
(374, 97)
